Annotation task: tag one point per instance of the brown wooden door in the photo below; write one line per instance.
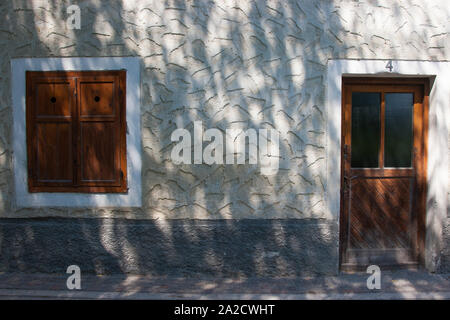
(383, 172)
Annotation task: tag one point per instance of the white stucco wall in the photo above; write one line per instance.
(230, 64)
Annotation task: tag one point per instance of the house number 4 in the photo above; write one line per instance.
(389, 66)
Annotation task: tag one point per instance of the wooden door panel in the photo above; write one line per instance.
(54, 162)
(385, 258)
(380, 213)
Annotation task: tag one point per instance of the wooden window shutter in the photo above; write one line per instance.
(50, 110)
(76, 131)
(99, 136)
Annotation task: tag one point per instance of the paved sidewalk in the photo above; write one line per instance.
(394, 285)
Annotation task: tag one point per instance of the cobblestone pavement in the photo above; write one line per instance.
(394, 285)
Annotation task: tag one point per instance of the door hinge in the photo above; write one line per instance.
(346, 184)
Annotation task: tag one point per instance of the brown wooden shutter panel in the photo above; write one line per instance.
(76, 131)
(50, 111)
(99, 131)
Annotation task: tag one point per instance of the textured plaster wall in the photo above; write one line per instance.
(230, 64)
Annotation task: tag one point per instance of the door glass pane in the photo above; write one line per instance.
(365, 129)
(398, 130)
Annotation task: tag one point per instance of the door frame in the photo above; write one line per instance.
(438, 187)
(421, 170)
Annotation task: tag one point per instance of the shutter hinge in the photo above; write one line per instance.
(75, 93)
(126, 125)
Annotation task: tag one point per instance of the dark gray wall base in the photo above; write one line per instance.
(444, 266)
(266, 248)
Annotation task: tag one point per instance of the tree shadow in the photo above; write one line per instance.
(258, 64)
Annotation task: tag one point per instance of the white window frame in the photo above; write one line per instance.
(23, 198)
